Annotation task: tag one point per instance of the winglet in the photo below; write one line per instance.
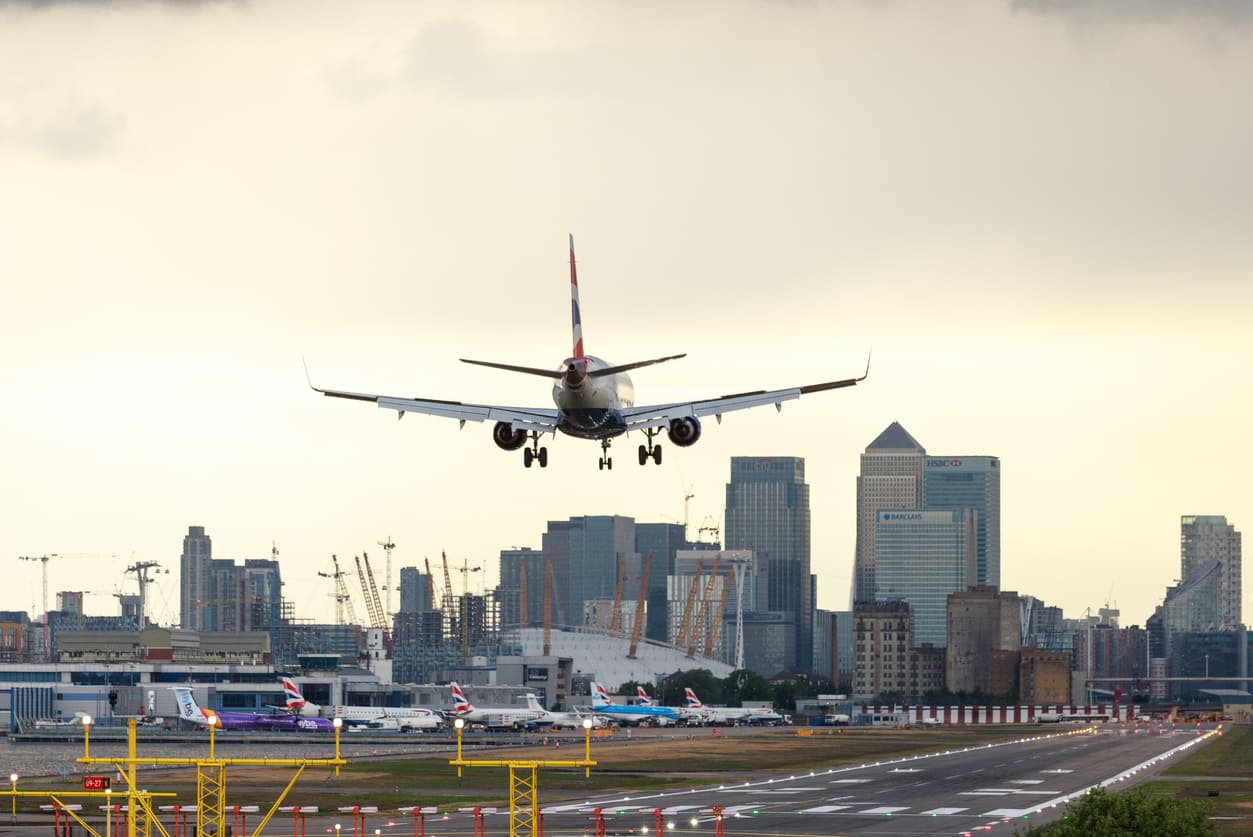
(576, 318)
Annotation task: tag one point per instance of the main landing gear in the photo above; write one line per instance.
(535, 453)
(606, 461)
(650, 451)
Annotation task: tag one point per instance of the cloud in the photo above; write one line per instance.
(1140, 11)
(72, 132)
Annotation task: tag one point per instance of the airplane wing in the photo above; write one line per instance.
(638, 418)
(522, 418)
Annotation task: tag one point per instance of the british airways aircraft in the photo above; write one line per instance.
(594, 400)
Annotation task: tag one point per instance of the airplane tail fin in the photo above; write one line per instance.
(599, 696)
(460, 705)
(576, 317)
(188, 709)
(693, 702)
(643, 696)
(296, 703)
(532, 702)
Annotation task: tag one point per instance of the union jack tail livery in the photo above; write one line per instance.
(460, 705)
(576, 318)
(599, 696)
(295, 700)
(643, 696)
(693, 702)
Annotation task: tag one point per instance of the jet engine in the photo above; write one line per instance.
(506, 438)
(684, 431)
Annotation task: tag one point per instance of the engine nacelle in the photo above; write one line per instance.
(506, 438)
(684, 431)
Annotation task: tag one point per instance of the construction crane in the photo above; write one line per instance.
(681, 639)
(616, 618)
(430, 582)
(464, 611)
(703, 614)
(342, 599)
(447, 604)
(388, 610)
(639, 607)
(370, 593)
(43, 560)
(708, 526)
(140, 569)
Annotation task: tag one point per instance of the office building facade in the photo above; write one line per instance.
(970, 482)
(921, 557)
(1206, 539)
(767, 511)
(195, 579)
(891, 477)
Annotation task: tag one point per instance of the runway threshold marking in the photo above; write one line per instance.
(884, 809)
(942, 812)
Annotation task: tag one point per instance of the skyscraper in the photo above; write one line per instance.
(415, 590)
(891, 478)
(970, 482)
(768, 512)
(1205, 539)
(586, 552)
(920, 558)
(663, 541)
(194, 578)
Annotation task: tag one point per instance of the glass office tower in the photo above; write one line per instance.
(768, 512)
(970, 482)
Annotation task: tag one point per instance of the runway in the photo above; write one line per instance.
(989, 788)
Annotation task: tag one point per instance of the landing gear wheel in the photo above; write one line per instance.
(643, 454)
(657, 455)
(543, 457)
(528, 456)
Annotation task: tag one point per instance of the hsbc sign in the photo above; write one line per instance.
(944, 463)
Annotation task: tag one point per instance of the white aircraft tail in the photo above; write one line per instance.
(188, 709)
(600, 697)
(460, 705)
(532, 702)
(296, 703)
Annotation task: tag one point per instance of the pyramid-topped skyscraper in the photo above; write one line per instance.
(890, 478)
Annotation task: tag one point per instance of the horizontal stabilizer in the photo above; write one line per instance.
(528, 370)
(626, 367)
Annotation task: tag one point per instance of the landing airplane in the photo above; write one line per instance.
(496, 718)
(561, 720)
(406, 718)
(189, 710)
(594, 400)
(630, 714)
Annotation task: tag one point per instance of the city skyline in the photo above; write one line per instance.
(1036, 214)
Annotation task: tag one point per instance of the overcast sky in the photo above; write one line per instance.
(1039, 215)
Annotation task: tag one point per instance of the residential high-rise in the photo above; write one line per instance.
(1209, 538)
(970, 482)
(586, 552)
(767, 511)
(415, 590)
(194, 578)
(891, 478)
(921, 557)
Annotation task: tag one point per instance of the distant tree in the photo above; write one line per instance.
(1102, 814)
(742, 684)
(701, 680)
(629, 688)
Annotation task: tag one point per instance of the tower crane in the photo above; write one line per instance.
(709, 526)
(464, 611)
(388, 546)
(43, 560)
(430, 582)
(342, 599)
(447, 603)
(370, 593)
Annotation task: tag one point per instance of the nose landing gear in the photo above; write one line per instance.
(606, 461)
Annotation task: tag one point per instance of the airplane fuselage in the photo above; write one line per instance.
(591, 407)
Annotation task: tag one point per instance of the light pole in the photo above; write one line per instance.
(213, 725)
(336, 829)
(87, 736)
(13, 814)
(108, 812)
(338, 724)
(460, 724)
(587, 749)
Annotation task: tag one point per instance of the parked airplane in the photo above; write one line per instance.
(561, 720)
(189, 710)
(643, 696)
(496, 718)
(594, 400)
(630, 714)
(716, 714)
(406, 718)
